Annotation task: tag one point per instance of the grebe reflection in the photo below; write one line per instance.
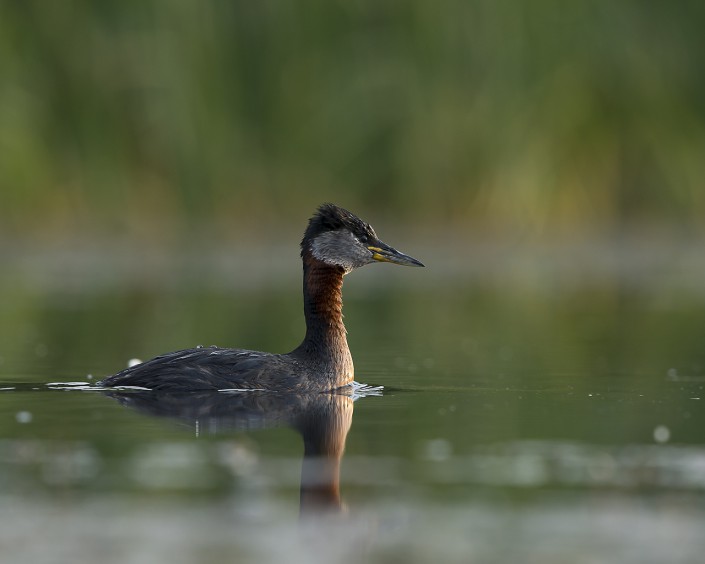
(323, 421)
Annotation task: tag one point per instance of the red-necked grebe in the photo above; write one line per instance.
(335, 243)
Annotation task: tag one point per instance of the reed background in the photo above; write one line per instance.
(161, 119)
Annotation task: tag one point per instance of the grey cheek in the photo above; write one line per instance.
(362, 256)
(341, 249)
(332, 248)
(322, 247)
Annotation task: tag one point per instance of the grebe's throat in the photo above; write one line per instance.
(323, 302)
(325, 342)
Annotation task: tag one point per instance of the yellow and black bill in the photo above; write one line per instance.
(384, 253)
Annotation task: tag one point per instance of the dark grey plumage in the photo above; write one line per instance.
(335, 242)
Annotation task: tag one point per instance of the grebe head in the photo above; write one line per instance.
(339, 238)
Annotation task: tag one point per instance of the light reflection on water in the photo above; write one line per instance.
(608, 528)
(157, 486)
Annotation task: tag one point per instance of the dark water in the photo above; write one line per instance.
(532, 419)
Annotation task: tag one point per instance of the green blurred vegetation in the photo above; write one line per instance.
(156, 117)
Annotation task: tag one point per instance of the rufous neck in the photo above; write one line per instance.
(323, 302)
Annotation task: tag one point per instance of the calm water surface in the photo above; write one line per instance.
(520, 421)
